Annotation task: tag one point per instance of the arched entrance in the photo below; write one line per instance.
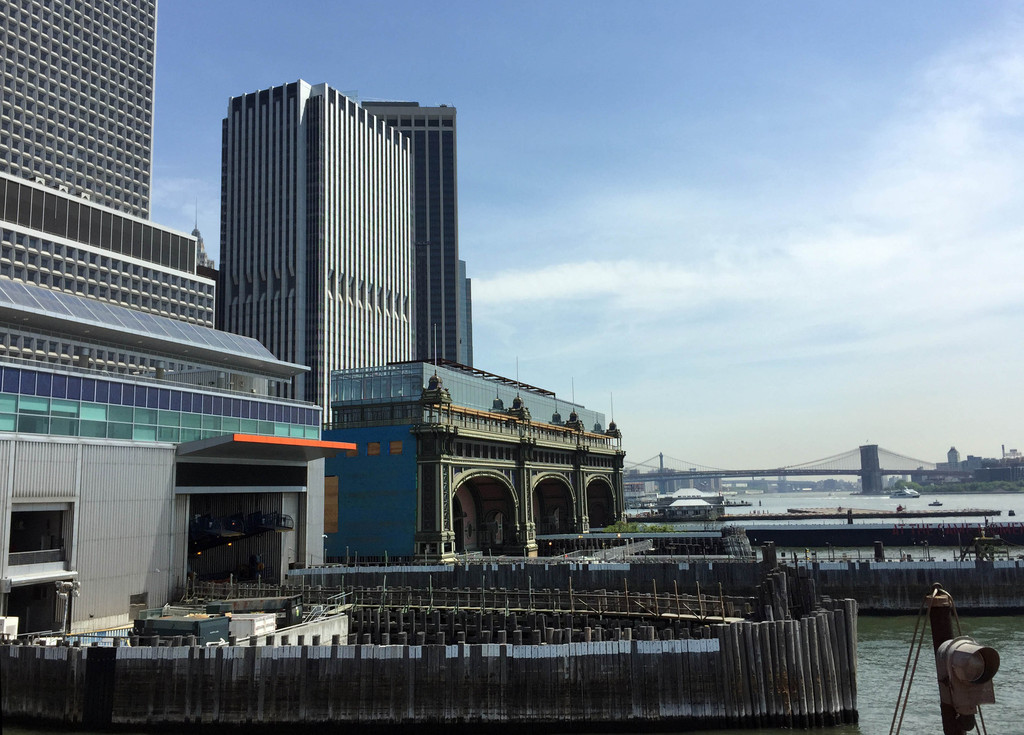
(553, 507)
(484, 516)
(600, 504)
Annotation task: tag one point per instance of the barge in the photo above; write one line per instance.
(821, 535)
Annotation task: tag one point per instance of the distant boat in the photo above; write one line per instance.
(905, 492)
(935, 503)
(1011, 512)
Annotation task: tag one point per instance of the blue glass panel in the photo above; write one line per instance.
(190, 435)
(75, 388)
(34, 424)
(192, 420)
(119, 431)
(243, 409)
(102, 392)
(144, 433)
(93, 428)
(64, 427)
(236, 408)
(12, 380)
(218, 406)
(175, 400)
(28, 383)
(262, 413)
(167, 434)
(153, 397)
(43, 384)
(207, 404)
(60, 386)
(114, 393)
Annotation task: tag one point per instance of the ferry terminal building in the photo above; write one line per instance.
(454, 460)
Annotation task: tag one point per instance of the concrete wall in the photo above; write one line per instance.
(787, 673)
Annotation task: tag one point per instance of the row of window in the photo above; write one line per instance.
(101, 430)
(73, 418)
(433, 122)
(57, 350)
(64, 79)
(64, 216)
(31, 382)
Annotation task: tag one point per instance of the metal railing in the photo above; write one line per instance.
(45, 556)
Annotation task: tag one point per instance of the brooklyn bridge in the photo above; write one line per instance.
(869, 461)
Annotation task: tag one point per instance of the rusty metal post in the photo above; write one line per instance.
(940, 614)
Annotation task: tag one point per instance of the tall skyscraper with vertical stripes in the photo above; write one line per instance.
(77, 105)
(443, 314)
(316, 232)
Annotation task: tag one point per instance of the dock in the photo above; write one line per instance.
(840, 513)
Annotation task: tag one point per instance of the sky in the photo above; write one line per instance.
(764, 233)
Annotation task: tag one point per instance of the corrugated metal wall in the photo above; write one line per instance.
(46, 469)
(125, 532)
(6, 449)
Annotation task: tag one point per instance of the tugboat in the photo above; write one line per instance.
(935, 504)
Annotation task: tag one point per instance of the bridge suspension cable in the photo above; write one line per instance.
(832, 462)
(917, 463)
(848, 460)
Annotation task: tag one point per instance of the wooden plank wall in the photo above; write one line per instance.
(784, 672)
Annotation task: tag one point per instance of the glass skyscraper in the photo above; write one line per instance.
(443, 308)
(77, 109)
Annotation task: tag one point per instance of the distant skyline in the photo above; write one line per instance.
(773, 231)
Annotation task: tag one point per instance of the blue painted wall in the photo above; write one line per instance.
(376, 495)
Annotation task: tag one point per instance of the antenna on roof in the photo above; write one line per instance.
(611, 398)
(197, 213)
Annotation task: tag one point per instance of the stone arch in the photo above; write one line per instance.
(600, 502)
(484, 514)
(554, 505)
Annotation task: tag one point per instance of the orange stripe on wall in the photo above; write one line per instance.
(291, 441)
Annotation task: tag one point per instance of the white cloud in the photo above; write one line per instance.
(914, 256)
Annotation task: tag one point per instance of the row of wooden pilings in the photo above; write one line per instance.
(370, 625)
(795, 673)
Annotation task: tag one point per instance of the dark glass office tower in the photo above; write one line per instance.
(442, 300)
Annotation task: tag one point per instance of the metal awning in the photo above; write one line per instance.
(251, 447)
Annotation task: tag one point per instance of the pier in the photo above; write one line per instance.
(798, 514)
(555, 660)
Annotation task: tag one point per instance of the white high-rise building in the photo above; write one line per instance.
(316, 233)
(77, 106)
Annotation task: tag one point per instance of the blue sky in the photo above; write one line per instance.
(773, 231)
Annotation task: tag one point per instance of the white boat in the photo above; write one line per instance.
(905, 492)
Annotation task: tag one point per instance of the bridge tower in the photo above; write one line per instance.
(870, 470)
